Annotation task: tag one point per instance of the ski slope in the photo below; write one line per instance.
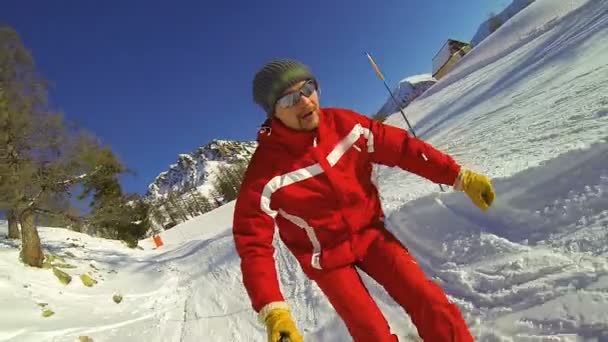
(528, 107)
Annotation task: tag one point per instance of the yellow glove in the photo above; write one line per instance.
(279, 323)
(477, 187)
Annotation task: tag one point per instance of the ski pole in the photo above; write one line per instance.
(379, 73)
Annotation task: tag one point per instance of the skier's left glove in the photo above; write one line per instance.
(279, 323)
(477, 187)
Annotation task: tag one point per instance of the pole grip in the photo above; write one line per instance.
(378, 72)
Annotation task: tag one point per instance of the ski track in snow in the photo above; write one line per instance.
(535, 248)
(527, 107)
(542, 138)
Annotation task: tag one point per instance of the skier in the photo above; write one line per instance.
(311, 175)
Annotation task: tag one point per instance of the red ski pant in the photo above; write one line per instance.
(391, 265)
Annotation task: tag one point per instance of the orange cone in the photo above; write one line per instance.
(158, 241)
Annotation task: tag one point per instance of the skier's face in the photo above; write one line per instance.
(303, 115)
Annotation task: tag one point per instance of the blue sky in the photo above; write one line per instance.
(154, 79)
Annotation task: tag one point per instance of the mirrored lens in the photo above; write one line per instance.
(289, 100)
(292, 99)
(308, 88)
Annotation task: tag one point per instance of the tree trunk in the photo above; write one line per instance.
(13, 226)
(31, 251)
(197, 202)
(171, 212)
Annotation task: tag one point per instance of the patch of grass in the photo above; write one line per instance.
(51, 261)
(63, 277)
(51, 258)
(87, 280)
(46, 264)
(47, 313)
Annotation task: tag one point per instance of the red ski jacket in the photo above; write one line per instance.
(317, 188)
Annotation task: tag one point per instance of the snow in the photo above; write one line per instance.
(527, 106)
(407, 91)
(484, 29)
(418, 78)
(78, 310)
(201, 227)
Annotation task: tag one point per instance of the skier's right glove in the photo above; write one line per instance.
(279, 323)
(477, 187)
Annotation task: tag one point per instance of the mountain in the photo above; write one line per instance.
(406, 91)
(484, 29)
(196, 169)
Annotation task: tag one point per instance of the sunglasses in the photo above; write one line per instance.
(291, 99)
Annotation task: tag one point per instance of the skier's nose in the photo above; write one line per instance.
(305, 101)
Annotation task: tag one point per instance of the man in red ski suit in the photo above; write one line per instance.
(311, 175)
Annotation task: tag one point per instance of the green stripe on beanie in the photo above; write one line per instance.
(274, 78)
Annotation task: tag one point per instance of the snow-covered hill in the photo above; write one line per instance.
(410, 88)
(528, 107)
(484, 29)
(407, 91)
(196, 169)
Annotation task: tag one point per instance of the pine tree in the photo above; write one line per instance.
(17, 79)
(221, 184)
(177, 206)
(74, 220)
(42, 158)
(195, 201)
(58, 212)
(113, 214)
(207, 205)
(229, 179)
(37, 154)
(239, 170)
(224, 184)
(171, 212)
(157, 216)
(203, 202)
(187, 205)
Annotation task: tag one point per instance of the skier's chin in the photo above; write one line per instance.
(309, 121)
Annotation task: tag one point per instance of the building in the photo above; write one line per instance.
(449, 54)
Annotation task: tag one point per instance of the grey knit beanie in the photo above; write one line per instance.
(274, 77)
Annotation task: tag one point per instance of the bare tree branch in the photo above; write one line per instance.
(64, 183)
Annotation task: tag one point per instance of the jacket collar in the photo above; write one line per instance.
(274, 132)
